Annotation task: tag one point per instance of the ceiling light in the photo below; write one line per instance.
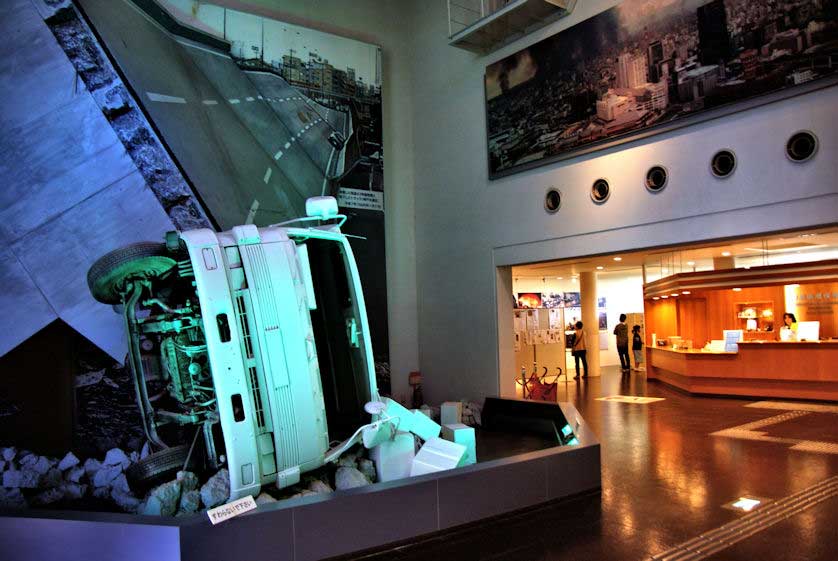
(686, 292)
(746, 504)
(664, 296)
(618, 259)
(599, 268)
(559, 278)
(737, 290)
(691, 263)
(656, 297)
(674, 294)
(725, 254)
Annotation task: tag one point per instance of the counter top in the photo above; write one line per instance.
(691, 351)
(825, 342)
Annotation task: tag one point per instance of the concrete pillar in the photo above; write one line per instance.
(590, 317)
(507, 369)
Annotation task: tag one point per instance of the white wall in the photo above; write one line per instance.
(466, 225)
(381, 22)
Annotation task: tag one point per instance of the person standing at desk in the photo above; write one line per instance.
(580, 350)
(788, 332)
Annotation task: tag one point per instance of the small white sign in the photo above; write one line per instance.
(359, 198)
(226, 511)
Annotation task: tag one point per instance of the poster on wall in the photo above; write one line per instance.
(529, 300)
(644, 64)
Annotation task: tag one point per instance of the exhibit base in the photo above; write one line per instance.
(320, 526)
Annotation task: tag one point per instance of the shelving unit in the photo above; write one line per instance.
(755, 318)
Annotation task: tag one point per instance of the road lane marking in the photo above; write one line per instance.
(287, 145)
(260, 97)
(164, 98)
(209, 102)
(234, 101)
(278, 155)
(267, 175)
(248, 99)
(252, 213)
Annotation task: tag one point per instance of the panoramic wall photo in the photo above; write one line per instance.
(649, 62)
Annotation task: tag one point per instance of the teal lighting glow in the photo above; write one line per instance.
(566, 430)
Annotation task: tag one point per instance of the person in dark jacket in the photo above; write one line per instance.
(637, 347)
(622, 333)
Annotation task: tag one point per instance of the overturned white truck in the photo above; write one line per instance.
(259, 340)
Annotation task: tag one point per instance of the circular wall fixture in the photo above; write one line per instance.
(656, 178)
(802, 146)
(600, 191)
(553, 200)
(723, 163)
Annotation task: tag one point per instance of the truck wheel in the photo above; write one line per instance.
(106, 278)
(159, 467)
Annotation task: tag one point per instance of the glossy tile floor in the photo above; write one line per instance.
(664, 481)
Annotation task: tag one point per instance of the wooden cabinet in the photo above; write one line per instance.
(756, 319)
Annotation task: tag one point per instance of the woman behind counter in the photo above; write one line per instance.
(788, 332)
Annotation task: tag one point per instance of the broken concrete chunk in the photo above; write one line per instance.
(347, 461)
(69, 461)
(320, 487)
(91, 466)
(216, 491)
(134, 457)
(48, 497)
(52, 478)
(190, 501)
(8, 453)
(28, 459)
(23, 478)
(102, 492)
(75, 474)
(188, 480)
(349, 478)
(106, 475)
(125, 501)
(88, 378)
(163, 500)
(120, 483)
(264, 499)
(12, 498)
(73, 490)
(3, 464)
(366, 467)
(116, 456)
(42, 465)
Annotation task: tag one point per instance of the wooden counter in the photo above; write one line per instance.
(788, 369)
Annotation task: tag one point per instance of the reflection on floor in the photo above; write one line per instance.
(665, 481)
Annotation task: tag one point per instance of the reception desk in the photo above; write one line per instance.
(798, 370)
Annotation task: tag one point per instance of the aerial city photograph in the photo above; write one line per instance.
(647, 62)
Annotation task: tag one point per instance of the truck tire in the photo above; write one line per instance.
(106, 278)
(159, 467)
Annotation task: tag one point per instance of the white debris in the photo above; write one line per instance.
(320, 487)
(349, 478)
(69, 461)
(264, 499)
(88, 378)
(12, 498)
(190, 501)
(116, 456)
(163, 500)
(217, 490)
(106, 475)
(75, 474)
(24, 478)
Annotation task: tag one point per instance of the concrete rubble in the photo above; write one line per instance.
(216, 490)
(349, 478)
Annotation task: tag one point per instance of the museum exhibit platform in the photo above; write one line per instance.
(315, 527)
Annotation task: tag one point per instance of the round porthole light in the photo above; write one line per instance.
(723, 163)
(801, 146)
(553, 200)
(656, 178)
(600, 191)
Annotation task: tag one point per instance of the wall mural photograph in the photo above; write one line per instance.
(649, 62)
